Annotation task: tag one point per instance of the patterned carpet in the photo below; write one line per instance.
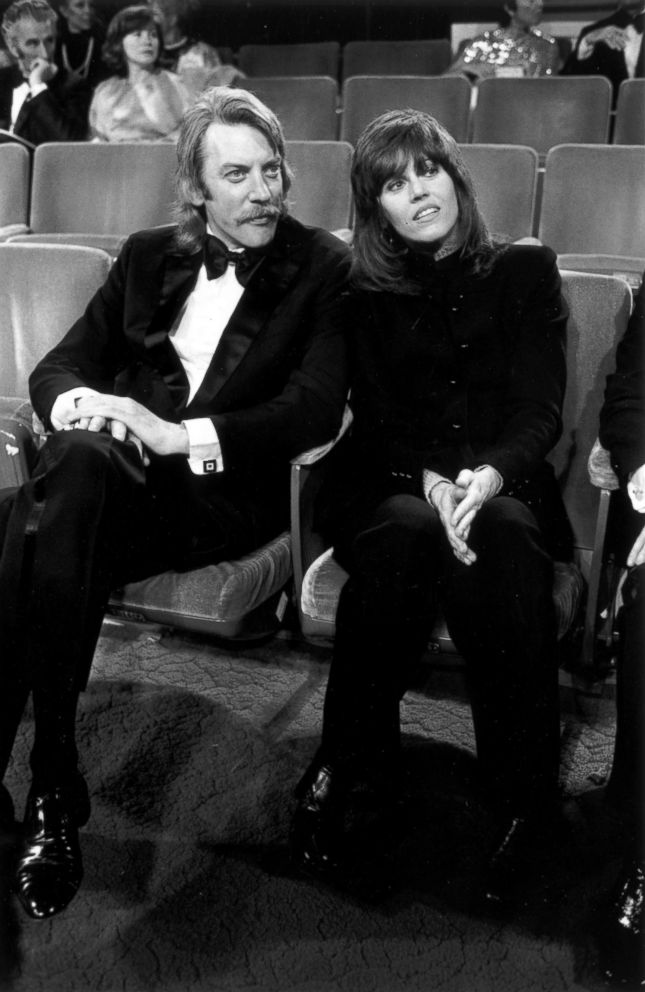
(192, 752)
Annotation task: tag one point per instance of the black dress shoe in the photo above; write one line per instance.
(316, 838)
(50, 869)
(523, 846)
(621, 932)
(346, 834)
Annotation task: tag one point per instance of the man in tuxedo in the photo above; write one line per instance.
(612, 47)
(38, 101)
(213, 354)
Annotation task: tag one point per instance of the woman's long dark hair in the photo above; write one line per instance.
(124, 22)
(383, 150)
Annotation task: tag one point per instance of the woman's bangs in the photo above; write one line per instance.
(137, 22)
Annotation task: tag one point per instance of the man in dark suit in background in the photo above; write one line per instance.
(38, 101)
(213, 354)
(612, 47)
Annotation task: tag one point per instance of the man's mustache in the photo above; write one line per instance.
(261, 213)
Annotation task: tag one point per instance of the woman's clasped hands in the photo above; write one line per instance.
(458, 503)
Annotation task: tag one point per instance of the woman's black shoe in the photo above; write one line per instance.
(50, 869)
(317, 828)
(620, 931)
(346, 834)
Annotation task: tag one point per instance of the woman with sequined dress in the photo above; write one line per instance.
(518, 49)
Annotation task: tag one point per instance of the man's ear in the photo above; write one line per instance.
(13, 48)
(193, 195)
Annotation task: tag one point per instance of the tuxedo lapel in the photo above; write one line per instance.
(158, 312)
(264, 291)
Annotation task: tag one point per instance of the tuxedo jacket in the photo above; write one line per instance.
(59, 113)
(471, 371)
(605, 61)
(277, 383)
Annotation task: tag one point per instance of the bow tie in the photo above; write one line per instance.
(217, 258)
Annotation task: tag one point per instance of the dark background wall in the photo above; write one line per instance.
(237, 22)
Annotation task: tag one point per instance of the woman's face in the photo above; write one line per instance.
(420, 203)
(141, 47)
(78, 14)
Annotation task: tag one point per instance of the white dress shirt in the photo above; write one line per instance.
(20, 94)
(195, 336)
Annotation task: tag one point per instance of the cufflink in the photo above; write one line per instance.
(209, 466)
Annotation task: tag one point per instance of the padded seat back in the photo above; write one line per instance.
(445, 97)
(99, 188)
(14, 184)
(629, 126)
(306, 106)
(508, 203)
(396, 58)
(594, 200)
(43, 290)
(542, 112)
(318, 58)
(321, 192)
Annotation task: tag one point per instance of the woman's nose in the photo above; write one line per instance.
(416, 187)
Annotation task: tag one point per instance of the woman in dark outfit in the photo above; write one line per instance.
(442, 496)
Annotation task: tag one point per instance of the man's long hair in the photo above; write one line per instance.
(217, 105)
(383, 150)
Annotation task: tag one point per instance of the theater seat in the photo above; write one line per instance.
(14, 189)
(240, 599)
(43, 288)
(96, 194)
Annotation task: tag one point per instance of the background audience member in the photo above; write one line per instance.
(612, 47)
(515, 49)
(622, 432)
(80, 38)
(197, 63)
(39, 101)
(142, 102)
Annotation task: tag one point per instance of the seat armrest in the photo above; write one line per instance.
(601, 474)
(307, 473)
(315, 454)
(7, 231)
(18, 440)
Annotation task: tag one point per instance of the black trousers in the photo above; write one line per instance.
(500, 614)
(90, 518)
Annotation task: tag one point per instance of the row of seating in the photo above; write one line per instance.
(537, 112)
(44, 287)
(589, 200)
(327, 58)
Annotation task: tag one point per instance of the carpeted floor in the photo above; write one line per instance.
(192, 751)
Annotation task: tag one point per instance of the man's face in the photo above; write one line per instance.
(242, 177)
(31, 40)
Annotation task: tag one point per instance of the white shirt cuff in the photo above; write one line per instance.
(585, 48)
(205, 456)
